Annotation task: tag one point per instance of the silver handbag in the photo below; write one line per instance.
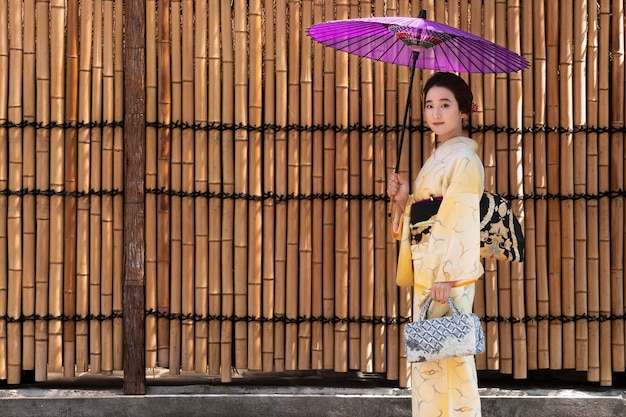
(443, 337)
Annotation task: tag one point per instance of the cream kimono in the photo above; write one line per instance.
(450, 253)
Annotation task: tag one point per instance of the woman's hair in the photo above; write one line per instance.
(454, 83)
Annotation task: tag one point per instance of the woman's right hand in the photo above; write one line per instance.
(398, 190)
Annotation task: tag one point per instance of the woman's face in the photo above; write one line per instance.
(442, 114)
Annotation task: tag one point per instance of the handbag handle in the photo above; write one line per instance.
(455, 310)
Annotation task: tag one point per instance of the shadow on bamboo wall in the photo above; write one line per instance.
(267, 240)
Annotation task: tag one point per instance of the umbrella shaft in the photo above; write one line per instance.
(406, 109)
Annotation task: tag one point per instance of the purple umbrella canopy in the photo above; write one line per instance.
(399, 40)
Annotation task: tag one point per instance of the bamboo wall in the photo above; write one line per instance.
(267, 238)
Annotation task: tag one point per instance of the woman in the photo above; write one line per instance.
(446, 261)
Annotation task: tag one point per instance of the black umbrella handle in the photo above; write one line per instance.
(406, 109)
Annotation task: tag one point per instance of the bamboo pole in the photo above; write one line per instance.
(306, 188)
(293, 187)
(554, 205)
(29, 170)
(4, 85)
(42, 181)
(105, 296)
(280, 147)
(385, 336)
(83, 184)
(163, 177)
(580, 186)
(70, 181)
(201, 185)
(341, 206)
(255, 207)
(491, 279)
(520, 364)
(328, 284)
(317, 260)
(529, 183)
(593, 180)
(605, 226)
(372, 351)
(119, 249)
(151, 322)
(228, 209)
(565, 111)
(477, 119)
(215, 205)
(503, 181)
(57, 98)
(177, 260)
(188, 167)
(541, 206)
(269, 186)
(353, 175)
(397, 300)
(241, 155)
(617, 183)
(95, 202)
(15, 243)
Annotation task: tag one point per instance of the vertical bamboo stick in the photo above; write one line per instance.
(385, 336)
(592, 180)
(57, 98)
(553, 170)
(240, 235)
(305, 214)
(580, 184)
(605, 226)
(163, 180)
(328, 284)
(617, 183)
(42, 181)
(354, 233)
(293, 187)
(255, 247)
(397, 300)
(341, 206)
(151, 231)
(70, 229)
(541, 188)
(215, 185)
(14, 217)
(520, 364)
(317, 268)
(4, 86)
(118, 184)
(269, 186)
(105, 296)
(201, 177)
(372, 342)
(188, 225)
(477, 119)
(529, 182)
(503, 181)
(228, 173)
(83, 184)
(566, 174)
(95, 202)
(29, 171)
(489, 160)
(176, 184)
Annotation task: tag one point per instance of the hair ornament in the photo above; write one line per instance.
(473, 109)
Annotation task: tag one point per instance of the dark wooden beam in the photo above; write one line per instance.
(134, 197)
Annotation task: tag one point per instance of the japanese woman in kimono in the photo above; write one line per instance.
(446, 262)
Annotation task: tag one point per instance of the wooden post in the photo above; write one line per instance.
(134, 242)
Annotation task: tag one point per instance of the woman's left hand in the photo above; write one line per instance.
(441, 291)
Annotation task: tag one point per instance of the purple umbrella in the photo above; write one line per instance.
(416, 42)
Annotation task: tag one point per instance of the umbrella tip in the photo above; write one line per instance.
(422, 14)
